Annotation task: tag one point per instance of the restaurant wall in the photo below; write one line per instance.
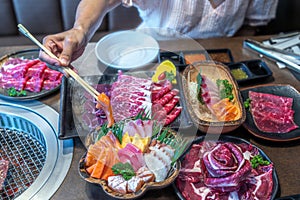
(287, 18)
(42, 17)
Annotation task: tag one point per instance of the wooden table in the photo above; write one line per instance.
(285, 155)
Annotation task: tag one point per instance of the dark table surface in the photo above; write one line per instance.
(285, 155)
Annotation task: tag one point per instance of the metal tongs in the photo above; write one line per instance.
(66, 70)
(291, 60)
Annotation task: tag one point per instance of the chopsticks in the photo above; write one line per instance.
(68, 70)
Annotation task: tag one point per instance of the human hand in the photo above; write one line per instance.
(67, 46)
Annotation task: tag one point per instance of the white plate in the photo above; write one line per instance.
(127, 49)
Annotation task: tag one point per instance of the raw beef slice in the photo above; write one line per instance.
(3, 172)
(272, 113)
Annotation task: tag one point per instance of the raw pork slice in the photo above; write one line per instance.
(130, 95)
(3, 172)
(272, 113)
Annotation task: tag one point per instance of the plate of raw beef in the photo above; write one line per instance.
(273, 113)
(24, 77)
(225, 168)
(129, 93)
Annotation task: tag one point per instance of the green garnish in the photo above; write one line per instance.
(170, 76)
(247, 103)
(124, 169)
(225, 89)
(258, 160)
(199, 91)
(143, 115)
(175, 141)
(12, 92)
(117, 130)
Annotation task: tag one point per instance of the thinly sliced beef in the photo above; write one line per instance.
(3, 172)
(130, 95)
(230, 175)
(226, 167)
(260, 186)
(31, 75)
(52, 75)
(37, 70)
(264, 98)
(34, 84)
(171, 104)
(272, 113)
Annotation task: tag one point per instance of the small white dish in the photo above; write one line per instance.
(127, 49)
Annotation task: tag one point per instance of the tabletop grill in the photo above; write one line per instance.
(25, 154)
(27, 132)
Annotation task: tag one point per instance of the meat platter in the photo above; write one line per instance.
(83, 105)
(292, 131)
(195, 180)
(133, 156)
(26, 75)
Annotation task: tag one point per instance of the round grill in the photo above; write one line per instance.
(26, 156)
(38, 161)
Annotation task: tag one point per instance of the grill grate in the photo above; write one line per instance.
(27, 157)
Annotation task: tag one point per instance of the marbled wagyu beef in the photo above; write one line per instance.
(130, 95)
(30, 75)
(272, 113)
(222, 170)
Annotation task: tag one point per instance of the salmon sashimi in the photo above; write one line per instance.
(101, 156)
(225, 110)
(105, 105)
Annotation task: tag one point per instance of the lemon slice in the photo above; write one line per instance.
(165, 70)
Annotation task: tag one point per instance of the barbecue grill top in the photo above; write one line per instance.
(28, 133)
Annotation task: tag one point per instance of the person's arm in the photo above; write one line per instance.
(69, 45)
(90, 13)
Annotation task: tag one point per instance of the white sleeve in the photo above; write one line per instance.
(260, 12)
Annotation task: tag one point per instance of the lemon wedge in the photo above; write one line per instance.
(165, 70)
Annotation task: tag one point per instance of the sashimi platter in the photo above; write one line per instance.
(131, 146)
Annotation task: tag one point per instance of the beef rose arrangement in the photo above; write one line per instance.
(225, 170)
